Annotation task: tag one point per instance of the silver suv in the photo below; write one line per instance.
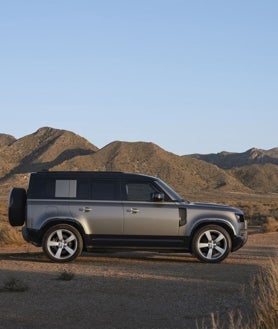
(68, 212)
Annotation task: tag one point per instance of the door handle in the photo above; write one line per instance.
(85, 209)
(132, 210)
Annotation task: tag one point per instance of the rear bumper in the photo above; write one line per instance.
(32, 236)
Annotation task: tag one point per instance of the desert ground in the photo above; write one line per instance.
(127, 290)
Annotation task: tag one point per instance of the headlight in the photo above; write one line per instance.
(240, 217)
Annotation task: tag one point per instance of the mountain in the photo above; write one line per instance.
(6, 140)
(260, 178)
(185, 174)
(226, 160)
(45, 148)
(54, 149)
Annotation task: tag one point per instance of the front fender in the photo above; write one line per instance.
(192, 227)
(208, 221)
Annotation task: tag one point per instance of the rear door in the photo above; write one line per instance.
(98, 207)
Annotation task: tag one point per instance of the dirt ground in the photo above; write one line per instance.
(127, 290)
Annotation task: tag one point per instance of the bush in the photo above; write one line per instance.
(271, 225)
(66, 276)
(13, 284)
(10, 235)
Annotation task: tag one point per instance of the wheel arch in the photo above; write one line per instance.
(57, 221)
(218, 222)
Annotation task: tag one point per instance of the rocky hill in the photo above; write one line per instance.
(256, 169)
(43, 149)
(183, 173)
(6, 140)
(55, 149)
(226, 160)
(260, 178)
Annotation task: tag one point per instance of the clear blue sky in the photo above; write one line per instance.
(191, 76)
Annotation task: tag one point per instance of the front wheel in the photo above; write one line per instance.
(211, 244)
(62, 243)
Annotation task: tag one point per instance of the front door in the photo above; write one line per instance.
(147, 221)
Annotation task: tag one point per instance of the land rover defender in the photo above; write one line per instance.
(68, 212)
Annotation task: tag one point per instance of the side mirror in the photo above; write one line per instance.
(158, 197)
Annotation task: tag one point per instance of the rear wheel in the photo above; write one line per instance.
(62, 243)
(211, 244)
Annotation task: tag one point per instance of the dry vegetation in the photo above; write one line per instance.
(8, 234)
(13, 284)
(264, 303)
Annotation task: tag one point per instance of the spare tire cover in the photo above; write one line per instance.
(17, 206)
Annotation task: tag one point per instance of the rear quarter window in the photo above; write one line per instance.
(41, 188)
(65, 188)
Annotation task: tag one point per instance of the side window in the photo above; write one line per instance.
(84, 190)
(97, 190)
(140, 191)
(102, 190)
(41, 188)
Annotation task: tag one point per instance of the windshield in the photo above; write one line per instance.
(173, 194)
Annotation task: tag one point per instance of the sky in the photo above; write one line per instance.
(192, 76)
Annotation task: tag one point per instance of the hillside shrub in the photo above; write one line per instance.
(10, 235)
(271, 225)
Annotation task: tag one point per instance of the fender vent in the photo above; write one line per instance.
(183, 216)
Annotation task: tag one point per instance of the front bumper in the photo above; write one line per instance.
(240, 240)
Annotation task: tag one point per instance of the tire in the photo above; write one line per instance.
(62, 243)
(211, 244)
(17, 206)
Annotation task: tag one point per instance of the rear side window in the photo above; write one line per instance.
(98, 190)
(79, 188)
(104, 191)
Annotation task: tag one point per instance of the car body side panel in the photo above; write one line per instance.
(40, 210)
(96, 217)
(99, 217)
